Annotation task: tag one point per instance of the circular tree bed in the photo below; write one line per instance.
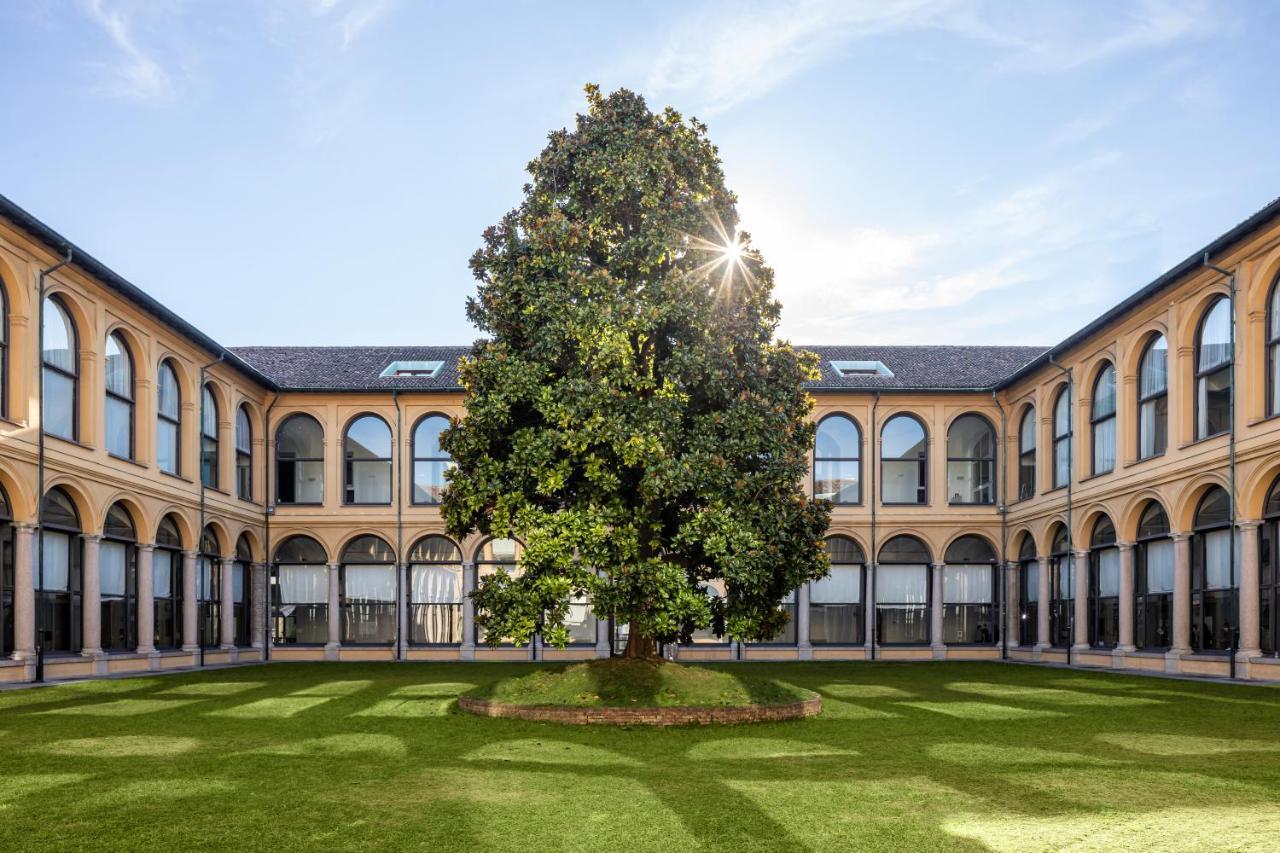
(632, 692)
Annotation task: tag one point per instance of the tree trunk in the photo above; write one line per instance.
(639, 647)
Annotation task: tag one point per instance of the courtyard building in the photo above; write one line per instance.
(1109, 501)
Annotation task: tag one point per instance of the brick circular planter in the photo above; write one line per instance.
(645, 716)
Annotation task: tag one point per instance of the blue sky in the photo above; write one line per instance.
(319, 171)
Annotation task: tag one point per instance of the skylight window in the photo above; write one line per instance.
(861, 368)
(412, 369)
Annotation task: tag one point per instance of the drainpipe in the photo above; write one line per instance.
(1234, 636)
(1071, 477)
(1002, 508)
(395, 398)
(268, 507)
(200, 533)
(874, 496)
(44, 274)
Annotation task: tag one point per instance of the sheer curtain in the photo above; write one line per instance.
(1108, 573)
(435, 584)
(112, 559)
(1217, 560)
(373, 584)
(966, 584)
(304, 584)
(902, 584)
(57, 561)
(1160, 566)
(842, 586)
(162, 574)
(1032, 583)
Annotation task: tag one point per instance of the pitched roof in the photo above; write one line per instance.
(923, 368)
(352, 368)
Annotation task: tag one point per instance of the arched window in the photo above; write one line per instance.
(430, 460)
(244, 454)
(366, 449)
(4, 352)
(1153, 581)
(368, 592)
(242, 590)
(969, 593)
(902, 592)
(904, 461)
(1102, 420)
(837, 465)
(835, 602)
(1213, 370)
(209, 589)
(168, 419)
(58, 576)
(119, 397)
(300, 599)
(300, 461)
(166, 585)
(1062, 438)
(498, 555)
(208, 438)
(971, 461)
(1213, 613)
(1028, 593)
(1269, 572)
(1153, 399)
(1104, 586)
(1027, 454)
(435, 592)
(6, 575)
(118, 581)
(1062, 589)
(60, 369)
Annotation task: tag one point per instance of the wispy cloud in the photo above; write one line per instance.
(134, 75)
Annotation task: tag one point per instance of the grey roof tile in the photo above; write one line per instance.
(352, 368)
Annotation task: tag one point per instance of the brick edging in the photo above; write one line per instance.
(644, 716)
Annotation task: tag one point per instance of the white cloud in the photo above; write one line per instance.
(135, 75)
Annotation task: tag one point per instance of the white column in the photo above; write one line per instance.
(935, 612)
(24, 592)
(468, 650)
(257, 625)
(1181, 595)
(869, 610)
(402, 606)
(804, 647)
(1043, 641)
(1012, 606)
(335, 614)
(1250, 638)
(1127, 582)
(91, 596)
(190, 609)
(146, 600)
(227, 605)
(1081, 603)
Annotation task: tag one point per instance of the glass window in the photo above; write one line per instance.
(902, 592)
(168, 420)
(367, 454)
(368, 590)
(60, 370)
(1214, 622)
(300, 461)
(119, 397)
(209, 590)
(58, 575)
(1062, 438)
(118, 581)
(904, 453)
(166, 581)
(1153, 399)
(971, 461)
(4, 373)
(242, 591)
(498, 555)
(1027, 454)
(1104, 586)
(244, 455)
(1213, 371)
(6, 570)
(835, 602)
(430, 460)
(837, 465)
(1028, 593)
(300, 593)
(1102, 417)
(435, 592)
(1269, 572)
(208, 438)
(1061, 590)
(968, 592)
(1273, 349)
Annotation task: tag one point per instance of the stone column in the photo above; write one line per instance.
(869, 611)
(1043, 605)
(1081, 602)
(146, 600)
(1250, 639)
(227, 609)
(190, 606)
(1127, 581)
(803, 646)
(468, 648)
(91, 596)
(402, 607)
(1012, 607)
(24, 592)
(335, 614)
(935, 612)
(604, 643)
(257, 625)
(1181, 596)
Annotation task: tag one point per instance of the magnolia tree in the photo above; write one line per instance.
(630, 417)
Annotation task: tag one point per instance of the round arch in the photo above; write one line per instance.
(181, 520)
(90, 518)
(309, 539)
(1254, 489)
(250, 537)
(142, 520)
(356, 533)
(1131, 360)
(1129, 514)
(21, 500)
(226, 545)
(970, 534)
(1182, 512)
(1047, 533)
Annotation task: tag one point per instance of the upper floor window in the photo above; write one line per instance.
(119, 397)
(60, 359)
(1273, 348)
(244, 455)
(430, 460)
(1062, 438)
(4, 354)
(837, 466)
(1213, 370)
(208, 438)
(366, 451)
(904, 460)
(1102, 419)
(300, 461)
(1027, 454)
(971, 461)
(168, 419)
(1153, 399)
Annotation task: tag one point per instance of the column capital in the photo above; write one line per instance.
(938, 566)
(333, 567)
(191, 555)
(91, 537)
(146, 546)
(25, 526)
(1248, 524)
(1081, 552)
(1125, 546)
(1179, 537)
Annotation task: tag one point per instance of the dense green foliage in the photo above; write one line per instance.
(624, 683)
(630, 411)
(903, 757)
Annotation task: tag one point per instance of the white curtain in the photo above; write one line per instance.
(304, 584)
(162, 574)
(430, 584)
(1104, 445)
(112, 558)
(966, 584)
(57, 561)
(902, 584)
(1066, 578)
(371, 584)
(204, 579)
(1032, 581)
(1160, 566)
(842, 586)
(237, 582)
(1217, 560)
(1108, 573)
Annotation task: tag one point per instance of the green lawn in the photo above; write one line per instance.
(918, 756)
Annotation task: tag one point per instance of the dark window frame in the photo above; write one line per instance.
(922, 461)
(1098, 604)
(346, 608)
(75, 582)
(928, 593)
(8, 570)
(1202, 375)
(73, 375)
(244, 455)
(1154, 397)
(1068, 437)
(454, 608)
(175, 422)
(130, 401)
(415, 457)
(130, 597)
(348, 486)
(856, 460)
(1096, 420)
(4, 356)
(1142, 596)
(989, 460)
(1269, 573)
(861, 606)
(1028, 610)
(279, 634)
(1271, 336)
(176, 591)
(294, 460)
(481, 564)
(210, 443)
(1027, 489)
(1061, 608)
(1200, 530)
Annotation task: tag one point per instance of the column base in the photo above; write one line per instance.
(1081, 647)
(1124, 650)
(939, 651)
(146, 650)
(804, 651)
(1246, 655)
(467, 651)
(332, 651)
(227, 647)
(191, 650)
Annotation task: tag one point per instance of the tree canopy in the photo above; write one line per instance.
(629, 416)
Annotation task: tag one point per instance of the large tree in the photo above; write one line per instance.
(630, 417)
